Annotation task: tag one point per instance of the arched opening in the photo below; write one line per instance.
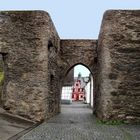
(78, 86)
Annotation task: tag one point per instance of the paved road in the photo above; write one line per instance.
(76, 122)
(10, 124)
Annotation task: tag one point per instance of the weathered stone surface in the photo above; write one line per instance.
(24, 37)
(69, 79)
(1, 77)
(75, 52)
(118, 83)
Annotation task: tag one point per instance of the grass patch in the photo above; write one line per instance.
(110, 122)
(1, 78)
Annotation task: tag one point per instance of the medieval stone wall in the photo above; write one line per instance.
(73, 52)
(36, 63)
(24, 38)
(69, 79)
(54, 83)
(1, 78)
(118, 83)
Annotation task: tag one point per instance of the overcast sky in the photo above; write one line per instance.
(74, 19)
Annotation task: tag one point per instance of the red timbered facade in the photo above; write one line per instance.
(78, 93)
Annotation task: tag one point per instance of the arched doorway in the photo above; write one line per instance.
(78, 85)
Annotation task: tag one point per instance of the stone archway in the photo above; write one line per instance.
(25, 35)
(74, 52)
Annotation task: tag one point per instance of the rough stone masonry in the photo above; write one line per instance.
(36, 62)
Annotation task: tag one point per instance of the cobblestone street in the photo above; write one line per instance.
(76, 122)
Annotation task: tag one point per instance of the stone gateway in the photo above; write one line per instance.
(36, 62)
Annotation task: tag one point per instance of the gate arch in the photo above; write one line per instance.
(75, 52)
